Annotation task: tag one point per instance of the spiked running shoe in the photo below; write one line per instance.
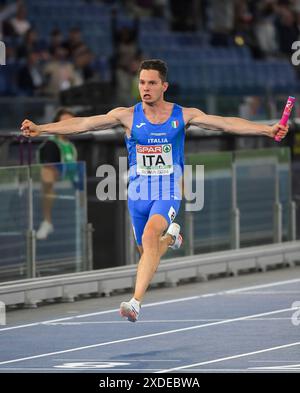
(129, 311)
(174, 231)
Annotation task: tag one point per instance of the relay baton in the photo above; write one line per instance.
(286, 114)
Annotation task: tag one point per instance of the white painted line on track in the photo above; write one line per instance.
(154, 304)
(295, 367)
(189, 328)
(160, 321)
(273, 284)
(267, 293)
(229, 358)
(273, 361)
(111, 371)
(115, 360)
(75, 370)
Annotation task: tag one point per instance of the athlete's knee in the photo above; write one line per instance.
(150, 237)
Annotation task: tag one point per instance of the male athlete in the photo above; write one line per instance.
(155, 131)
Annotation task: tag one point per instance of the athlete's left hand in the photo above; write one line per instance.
(279, 130)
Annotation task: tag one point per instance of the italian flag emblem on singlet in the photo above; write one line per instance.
(175, 123)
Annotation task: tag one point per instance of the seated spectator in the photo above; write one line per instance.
(74, 41)
(30, 43)
(60, 73)
(83, 61)
(30, 78)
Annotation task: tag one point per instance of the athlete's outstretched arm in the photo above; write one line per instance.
(233, 125)
(75, 125)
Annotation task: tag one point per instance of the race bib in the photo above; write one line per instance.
(154, 160)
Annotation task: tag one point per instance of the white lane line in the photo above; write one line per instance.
(245, 370)
(144, 370)
(146, 336)
(229, 358)
(159, 321)
(115, 360)
(154, 304)
(272, 284)
(75, 370)
(273, 361)
(284, 367)
(110, 371)
(269, 293)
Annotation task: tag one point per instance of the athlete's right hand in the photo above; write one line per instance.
(29, 128)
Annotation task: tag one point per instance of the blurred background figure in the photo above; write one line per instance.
(59, 150)
(19, 24)
(126, 53)
(60, 73)
(30, 77)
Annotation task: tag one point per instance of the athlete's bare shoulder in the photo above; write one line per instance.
(190, 113)
(124, 115)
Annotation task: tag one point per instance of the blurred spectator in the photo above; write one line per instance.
(58, 150)
(30, 77)
(264, 27)
(59, 73)
(252, 108)
(6, 11)
(84, 64)
(245, 34)
(287, 29)
(30, 43)
(126, 53)
(56, 40)
(135, 94)
(74, 41)
(19, 24)
(222, 21)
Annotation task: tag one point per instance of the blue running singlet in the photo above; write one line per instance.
(156, 165)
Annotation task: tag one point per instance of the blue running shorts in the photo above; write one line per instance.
(141, 210)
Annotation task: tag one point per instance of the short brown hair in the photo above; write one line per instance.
(157, 65)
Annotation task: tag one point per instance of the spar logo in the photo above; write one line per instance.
(154, 155)
(149, 149)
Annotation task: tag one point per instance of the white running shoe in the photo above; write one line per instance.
(130, 310)
(44, 230)
(174, 231)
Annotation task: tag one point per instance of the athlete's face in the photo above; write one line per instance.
(151, 86)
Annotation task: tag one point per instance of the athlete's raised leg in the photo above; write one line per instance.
(150, 258)
(153, 245)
